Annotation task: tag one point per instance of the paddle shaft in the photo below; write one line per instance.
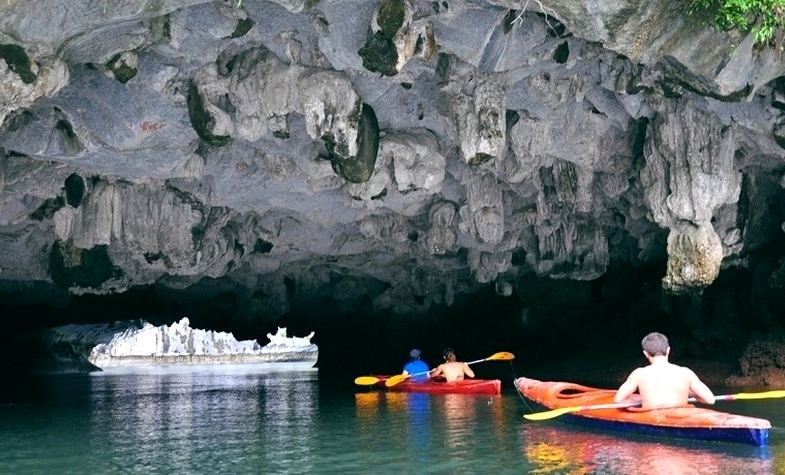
(477, 361)
(624, 405)
(501, 356)
(550, 414)
(426, 372)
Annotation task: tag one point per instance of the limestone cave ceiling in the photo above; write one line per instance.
(402, 151)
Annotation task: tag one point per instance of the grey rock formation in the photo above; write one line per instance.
(397, 153)
(24, 81)
(689, 174)
(661, 33)
(478, 111)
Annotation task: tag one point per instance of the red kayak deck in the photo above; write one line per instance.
(467, 386)
(689, 422)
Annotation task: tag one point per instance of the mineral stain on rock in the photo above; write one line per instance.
(390, 16)
(357, 169)
(119, 66)
(242, 28)
(48, 208)
(562, 53)
(201, 120)
(64, 140)
(379, 53)
(17, 60)
(74, 190)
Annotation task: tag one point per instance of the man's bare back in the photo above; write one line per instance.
(451, 369)
(662, 383)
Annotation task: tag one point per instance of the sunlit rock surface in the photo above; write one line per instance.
(130, 344)
(389, 156)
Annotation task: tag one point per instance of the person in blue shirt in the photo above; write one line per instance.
(416, 367)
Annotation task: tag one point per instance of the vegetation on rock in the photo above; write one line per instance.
(764, 17)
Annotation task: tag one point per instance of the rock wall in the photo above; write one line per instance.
(398, 152)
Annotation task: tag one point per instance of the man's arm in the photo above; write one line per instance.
(699, 389)
(468, 371)
(438, 371)
(628, 388)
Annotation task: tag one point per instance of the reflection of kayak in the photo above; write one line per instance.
(466, 386)
(558, 448)
(687, 422)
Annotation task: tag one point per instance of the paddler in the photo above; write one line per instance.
(452, 369)
(416, 367)
(662, 384)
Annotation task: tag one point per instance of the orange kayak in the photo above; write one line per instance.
(467, 386)
(683, 422)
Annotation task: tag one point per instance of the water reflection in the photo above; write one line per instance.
(277, 423)
(401, 412)
(227, 419)
(458, 413)
(290, 410)
(556, 449)
(437, 431)
(367, 405)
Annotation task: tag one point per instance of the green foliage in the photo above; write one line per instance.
(764, 17)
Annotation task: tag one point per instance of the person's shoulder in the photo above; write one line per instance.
(689, 372)
(681, 368)
(682, 371)
(638, 373)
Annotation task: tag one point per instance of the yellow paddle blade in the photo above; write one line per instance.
(541, 416)
(501, 356)
(366, 380)
(398, 378)
(762, 395)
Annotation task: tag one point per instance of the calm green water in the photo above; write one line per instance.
(235, 421)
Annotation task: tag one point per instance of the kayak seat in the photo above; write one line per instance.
(571, 391)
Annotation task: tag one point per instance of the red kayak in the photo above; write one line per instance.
(684, 422)
(467, 386)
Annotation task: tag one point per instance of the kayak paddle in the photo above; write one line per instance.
(541, 416)
(398, 378)
(366, 380)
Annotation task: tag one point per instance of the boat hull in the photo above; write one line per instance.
(682, 422)
(467, 386)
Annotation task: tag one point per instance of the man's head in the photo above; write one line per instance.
(655, 344)
(449, 355)
(414, 354)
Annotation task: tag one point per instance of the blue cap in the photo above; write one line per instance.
(415, 353)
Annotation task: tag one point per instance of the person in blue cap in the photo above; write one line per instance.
(416, 367)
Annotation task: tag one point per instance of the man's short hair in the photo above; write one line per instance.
(655, 344)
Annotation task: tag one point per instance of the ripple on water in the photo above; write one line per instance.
(557, 448)
(275, 423)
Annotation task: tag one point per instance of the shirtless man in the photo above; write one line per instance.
(662, 384)
(452, 370)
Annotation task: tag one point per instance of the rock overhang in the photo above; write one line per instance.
(256, 144)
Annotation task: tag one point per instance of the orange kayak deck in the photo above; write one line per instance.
(684, 422)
